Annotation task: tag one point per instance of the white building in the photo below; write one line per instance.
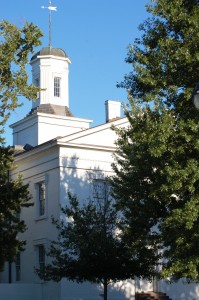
(61, 153)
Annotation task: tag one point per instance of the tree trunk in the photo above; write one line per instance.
(105, 289)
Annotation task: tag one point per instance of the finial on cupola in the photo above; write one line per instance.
(50, 8)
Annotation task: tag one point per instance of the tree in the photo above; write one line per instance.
(156, 163)
(15, 46)
(165, 59)
(89, 247)
(14, 196)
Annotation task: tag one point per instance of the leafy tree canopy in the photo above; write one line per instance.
(165, 59)
(156, 163)
(15, 46)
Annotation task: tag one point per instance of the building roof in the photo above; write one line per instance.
(50, 51)
(52, 109)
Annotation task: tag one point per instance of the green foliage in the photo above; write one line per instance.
(181, 233)
(165, 59)
(156, 163)
(15, 46)
(89, 247)
(13, 196)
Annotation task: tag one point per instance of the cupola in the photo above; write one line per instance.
(50, 68)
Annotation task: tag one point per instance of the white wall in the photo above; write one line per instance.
(39, 128)
(87, 291)
(180, 290)
(21, 292)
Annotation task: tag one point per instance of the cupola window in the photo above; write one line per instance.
(57, 86)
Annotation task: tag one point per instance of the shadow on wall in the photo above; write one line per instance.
(79, 179)
(126, 287)
(180, 290)
(89, 291)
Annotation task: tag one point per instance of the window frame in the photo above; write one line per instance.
(37, 244)
(41, 198)
(99, 188)
(57, 86)
(37, 183)
(41, 257)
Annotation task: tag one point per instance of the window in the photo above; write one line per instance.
(41, 256)
(18, 267)
(99, 189)
(57, 86)
(42, 198)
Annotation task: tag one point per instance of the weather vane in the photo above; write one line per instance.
(50, 8)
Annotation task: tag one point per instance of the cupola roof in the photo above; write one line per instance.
(50, 51)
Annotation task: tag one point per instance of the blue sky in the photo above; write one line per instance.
(95, 35)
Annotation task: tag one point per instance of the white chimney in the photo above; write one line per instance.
(113, 110)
